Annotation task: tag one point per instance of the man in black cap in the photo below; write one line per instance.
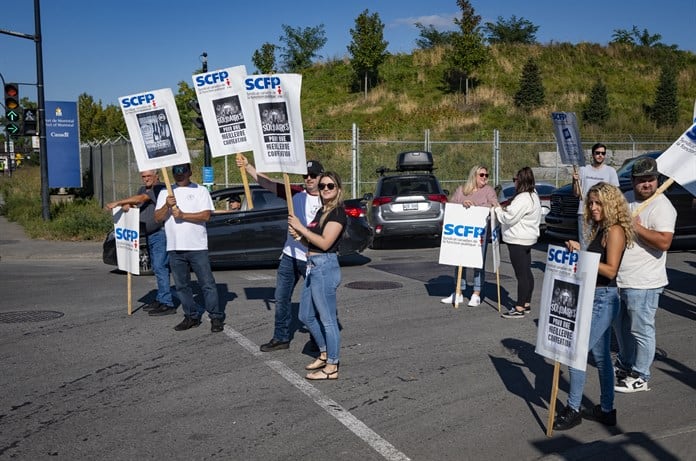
(293, 262)
(642, 277)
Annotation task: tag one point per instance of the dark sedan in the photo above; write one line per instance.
(255, 237)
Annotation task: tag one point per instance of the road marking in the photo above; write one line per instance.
(357, 427)
(248, 276)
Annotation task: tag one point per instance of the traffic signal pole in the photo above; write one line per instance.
(43, 157)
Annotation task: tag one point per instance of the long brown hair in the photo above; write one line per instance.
(334, 202)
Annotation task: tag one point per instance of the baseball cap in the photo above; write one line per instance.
(645, 166)
(314, 167)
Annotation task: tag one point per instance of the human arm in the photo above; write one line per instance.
(577, 188)
(512, 214)
(331, 232)
(264, 181)
(660, 240)
(127, 202)
(615, 246)
(458, 196)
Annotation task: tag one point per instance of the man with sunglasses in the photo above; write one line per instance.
(586, 177)
(642, 277)
(293, 262)
(184, 215)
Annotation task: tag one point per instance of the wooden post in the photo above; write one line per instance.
(130, 298)
(288, 193)
(247, 191)
(458, 289)
(552, 401)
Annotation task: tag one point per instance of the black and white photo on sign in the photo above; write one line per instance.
(274, 120)
(228, 112)
(156, 133)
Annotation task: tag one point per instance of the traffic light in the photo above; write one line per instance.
(13, 112)
(29, 125)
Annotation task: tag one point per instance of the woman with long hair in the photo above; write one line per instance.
(520, 227)
(318, 300)
(610, 231)
(474, 192)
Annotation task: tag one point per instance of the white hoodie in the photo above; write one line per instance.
(520, 219)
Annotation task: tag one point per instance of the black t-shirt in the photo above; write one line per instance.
(147, 209)
(595, 246)
(338, 215)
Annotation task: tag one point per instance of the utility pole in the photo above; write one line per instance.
(207, 158)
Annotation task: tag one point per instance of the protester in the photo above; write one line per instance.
(234, 203)
(588, 176)
(184, 215)
(520, 228)
(608, 221)
(318, 299)
(145, 199)
(642, 278)
(293, 261)
(474, 192)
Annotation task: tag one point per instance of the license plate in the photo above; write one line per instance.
(410, 206)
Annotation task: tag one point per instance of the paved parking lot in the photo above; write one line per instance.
(419, 380)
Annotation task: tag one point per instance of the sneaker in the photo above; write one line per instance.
(527, 308)
(187, 323)
(217, 325)
(450, 299)
(152, 306)
(620, 372)
(163, 310)
(567, 419)
(274, 345)
(608, 418)
(475, 300)
(513, 314)
(631, 383)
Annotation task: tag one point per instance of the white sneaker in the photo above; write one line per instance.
(631, 384)
(475, 300)
(450, 299)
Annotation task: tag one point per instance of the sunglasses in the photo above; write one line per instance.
(483, 175)
(310, 175)
(327, 185)
(600, 153)
(180, 169)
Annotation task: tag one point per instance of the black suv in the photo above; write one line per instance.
(409, 202)
(562, 220)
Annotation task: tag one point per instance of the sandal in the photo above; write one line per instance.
(318, 364)
(322, 375)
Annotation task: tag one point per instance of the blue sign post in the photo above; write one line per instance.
(63, 144)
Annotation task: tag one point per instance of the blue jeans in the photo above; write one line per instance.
(157, 245)
(319, 299)
(635, 329)
(479, 274)
(604, 309)
(181, 264)
(289, 272)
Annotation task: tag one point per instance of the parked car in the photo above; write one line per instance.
(409, 203)
(562, 223)
(255, 237)
(543, 189)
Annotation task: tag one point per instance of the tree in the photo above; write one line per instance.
(301, 46)
(368, 48)
(430, 37)
(513, 30)
(531, 91)
(468, 51)
(665, 110)
(637, 38)
(264, 58)
(597, 108)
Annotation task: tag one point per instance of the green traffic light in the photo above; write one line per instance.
(12, 128)
(12, 116)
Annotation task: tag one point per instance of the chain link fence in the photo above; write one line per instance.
(111, 167)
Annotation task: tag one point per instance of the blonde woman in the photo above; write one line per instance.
(608, 219)
(474, 192)
(318, 300)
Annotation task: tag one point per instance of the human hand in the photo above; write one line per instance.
(572, 245)
(241, 161)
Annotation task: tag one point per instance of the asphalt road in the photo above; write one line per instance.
(418, 380)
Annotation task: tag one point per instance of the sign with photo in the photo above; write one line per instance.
(226, 112)
(565, 313)
(275, 102)
(679, 160)
(565, 125)
(155, 129)
(463, 235)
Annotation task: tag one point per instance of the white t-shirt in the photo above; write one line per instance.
(589, 176)
(643, 266)
(186, 235)
(306, 207)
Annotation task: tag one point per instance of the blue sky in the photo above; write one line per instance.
(112, 48)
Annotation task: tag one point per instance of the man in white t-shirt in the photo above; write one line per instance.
(641, 279)
(586, 177)
(293, 262)
(184, 215)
